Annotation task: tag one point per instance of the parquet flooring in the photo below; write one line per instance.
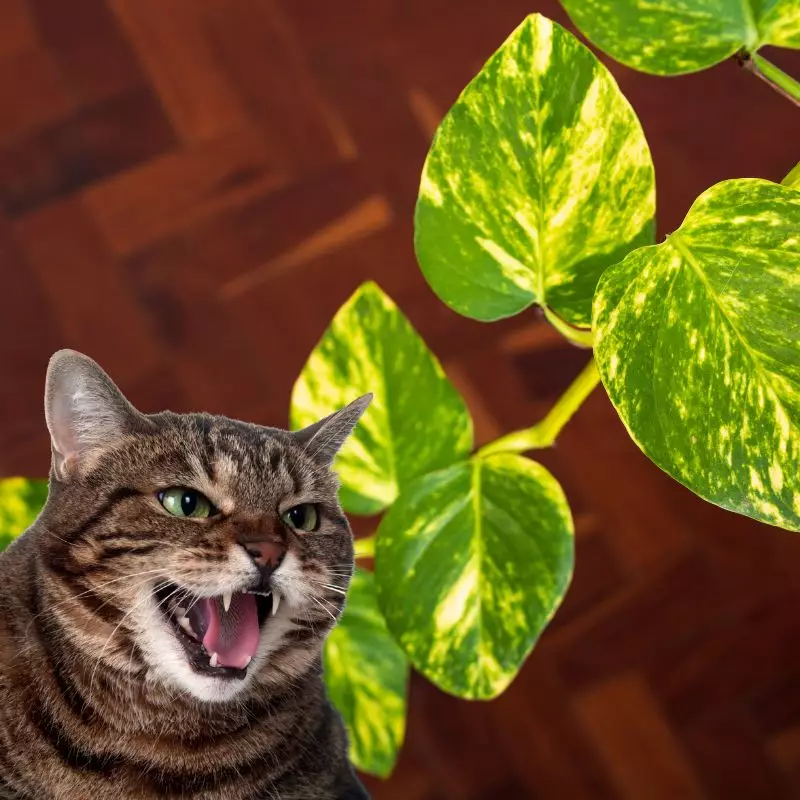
(188, 191)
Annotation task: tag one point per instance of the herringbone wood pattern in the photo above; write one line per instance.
(188, 191)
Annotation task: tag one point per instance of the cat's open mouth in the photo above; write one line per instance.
(219, 634)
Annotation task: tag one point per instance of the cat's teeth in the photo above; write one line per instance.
(180, 611)
(276, 601)
(249, 659)
(213, 662)
(186, 625)
(226, 600)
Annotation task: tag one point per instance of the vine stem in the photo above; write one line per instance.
(544, 433)
(579, 336)
(773, 76)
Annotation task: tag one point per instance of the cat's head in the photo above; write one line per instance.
(208, 553)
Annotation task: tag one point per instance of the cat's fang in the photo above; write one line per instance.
(276, 601)
(226, 600)
(186, 625)
(213, 661)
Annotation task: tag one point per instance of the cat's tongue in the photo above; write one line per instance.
(232, 634)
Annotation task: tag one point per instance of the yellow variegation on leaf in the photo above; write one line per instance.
(678, 36)
(417, 420)
(539, 177)
(21, 500)
(366, 674)
(698, 345)
(471, 563)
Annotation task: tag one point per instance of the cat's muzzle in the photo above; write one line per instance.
(220, 635)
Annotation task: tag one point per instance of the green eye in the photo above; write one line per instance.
(185, 503)
(302, 518)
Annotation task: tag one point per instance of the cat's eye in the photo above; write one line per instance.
(302, 518)
(186, 503)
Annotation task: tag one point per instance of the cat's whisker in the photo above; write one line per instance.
(50, 608)
(326, 610)
(337, 589)
(310, 622)
(56, 536)
(160, 603)
(99, 657)
(329, 603)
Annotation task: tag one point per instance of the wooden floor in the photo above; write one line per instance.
(188, 191)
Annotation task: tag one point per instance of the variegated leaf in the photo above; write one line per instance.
(698, 344)
(539, 177)
(669, 38)
(417, 420)
(471, 563)
(366, 674)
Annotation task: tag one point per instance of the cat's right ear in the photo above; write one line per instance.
(323, 439)
(85, 412)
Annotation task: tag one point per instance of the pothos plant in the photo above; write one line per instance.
(539, 189)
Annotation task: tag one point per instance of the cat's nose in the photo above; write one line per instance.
(264, 542)
(268, 555)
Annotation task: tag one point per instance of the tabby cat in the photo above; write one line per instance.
(161, 623)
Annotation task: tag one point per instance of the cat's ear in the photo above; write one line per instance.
(85, 411)
(324, 439)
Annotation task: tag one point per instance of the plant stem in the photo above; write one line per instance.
(774, 76)
(544, 433)
(578, 336)
(365, 548)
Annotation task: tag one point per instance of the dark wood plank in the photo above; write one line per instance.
(95, 61)
(98, 142)
(32, 93)
(201, 101)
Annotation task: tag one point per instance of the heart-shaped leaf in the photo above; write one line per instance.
(539, 177)
(417, 421)
(671, 38)
(471, 563)
(698, 344)
(366, 674)
(21, 500)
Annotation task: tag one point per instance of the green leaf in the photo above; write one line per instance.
(366, 674)
(21, 500)
(539, 177)
(471, 563)
(417, 421)
(698, 344)
(670, 38)
(793, 178)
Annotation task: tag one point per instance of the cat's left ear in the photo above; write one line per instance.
(86, 413)
(324, 439)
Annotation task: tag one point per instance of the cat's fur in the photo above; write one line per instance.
(97, 699)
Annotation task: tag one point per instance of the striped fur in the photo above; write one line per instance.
(96, 701)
